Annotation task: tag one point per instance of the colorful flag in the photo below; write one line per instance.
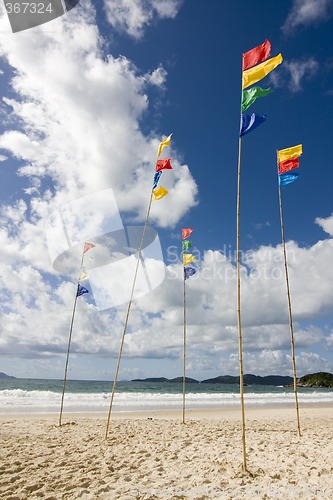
(286, 165)
(88, 246)
(256, 55)
(159, 193)
(249, 96)
(285, 179)
(163, 144)
(81, 290)
(186, 231)
(187, 258)
(189, 271)
(157, 176)
(163, 164)
(285, 154)
(250, 122)
(83, 276)
(253, 75)
(186, 245)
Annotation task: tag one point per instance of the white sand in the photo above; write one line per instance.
(154, 456)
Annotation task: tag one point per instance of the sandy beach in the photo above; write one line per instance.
(154, 456)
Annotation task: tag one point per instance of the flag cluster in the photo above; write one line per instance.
(288, 160)
(81, 290)
(256, 66)
(187, 257)
(163, 164)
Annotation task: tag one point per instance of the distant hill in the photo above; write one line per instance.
(4, 375)
(320, 379)
(226, 379)
(163, 379)
(189, 380)
(250, 380)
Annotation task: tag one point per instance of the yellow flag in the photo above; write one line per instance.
(253, 75)
(83, 276)
(160, 193)
(163, 144)
(285, 154)
(187, 258)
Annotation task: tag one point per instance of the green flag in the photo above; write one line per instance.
(249, 96)
(186, 245)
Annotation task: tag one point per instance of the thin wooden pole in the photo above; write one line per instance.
(127, 316)
(290, 313)
(69, 345)
(184, 376)
(239, 323)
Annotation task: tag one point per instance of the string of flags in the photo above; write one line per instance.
(252, 72)
(162, 164)
(288, 160)
(81, 290)
(187, 257)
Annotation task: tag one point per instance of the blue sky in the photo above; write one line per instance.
(86, 99)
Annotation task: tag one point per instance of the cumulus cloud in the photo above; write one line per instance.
(133, 16)
(307, 12)
(326, 224)
(295, 73)
(75, 133)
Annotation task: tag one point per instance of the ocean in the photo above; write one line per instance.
(83, 396)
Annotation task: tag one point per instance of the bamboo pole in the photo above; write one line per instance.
(290, 312)
(69, 343)
(184, 376)
(127, 316)
(239, 323)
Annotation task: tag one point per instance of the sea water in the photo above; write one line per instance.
(44, 396)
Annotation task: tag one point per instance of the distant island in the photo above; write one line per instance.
(320, 379)
(4, 375)
(226, 379)
(189, 380)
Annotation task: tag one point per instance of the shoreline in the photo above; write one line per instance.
(174, 414)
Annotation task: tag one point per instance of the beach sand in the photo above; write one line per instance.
(154, 456)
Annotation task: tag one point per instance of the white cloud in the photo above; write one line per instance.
(295, 73)
(133, 16)
(326, 224)
(307, 12)
(78, 132)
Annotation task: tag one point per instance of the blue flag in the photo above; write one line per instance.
(81, 290)
(188, 271)
(157, 176)
(287, 178)
(250, 122)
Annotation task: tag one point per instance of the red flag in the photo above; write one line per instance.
(186, 231)
(256, 55)
(286, 165)
(88, 246)
(163, 164)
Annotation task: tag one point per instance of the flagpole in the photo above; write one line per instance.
(127, 316)
(290, 310)
(184, 376)
(239, 324)
(69, 344)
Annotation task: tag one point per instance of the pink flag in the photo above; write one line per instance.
(186, 231)
(88, 246)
